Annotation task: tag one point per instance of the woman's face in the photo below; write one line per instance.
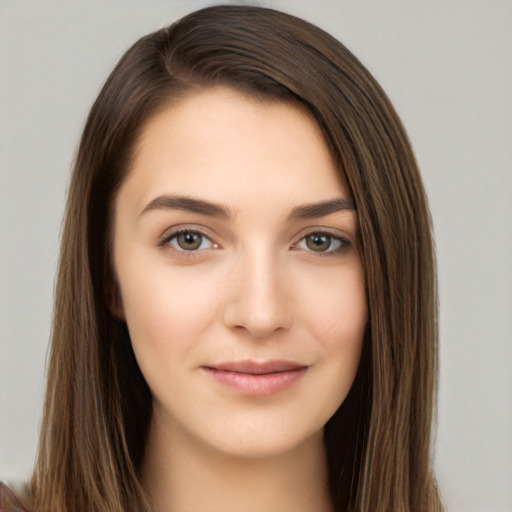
(239, 276)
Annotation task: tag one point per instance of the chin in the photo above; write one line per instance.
(264, 443)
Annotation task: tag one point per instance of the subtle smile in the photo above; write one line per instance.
(253, 378)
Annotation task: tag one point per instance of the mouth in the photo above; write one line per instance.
(254, 378)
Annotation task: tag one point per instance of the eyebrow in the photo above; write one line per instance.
(188, 204)
(316, 210)
(191, 204)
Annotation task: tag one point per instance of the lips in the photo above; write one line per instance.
(258, 368)
(254, 378)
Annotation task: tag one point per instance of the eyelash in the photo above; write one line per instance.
(169, 237)
(344, 243)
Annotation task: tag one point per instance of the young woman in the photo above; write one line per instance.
(245, 312)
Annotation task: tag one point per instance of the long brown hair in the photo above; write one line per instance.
(98, 406)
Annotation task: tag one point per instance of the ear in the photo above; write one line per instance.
(114, 300)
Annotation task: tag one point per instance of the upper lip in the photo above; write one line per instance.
(257, 367)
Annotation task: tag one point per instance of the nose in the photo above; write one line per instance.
(259, 303)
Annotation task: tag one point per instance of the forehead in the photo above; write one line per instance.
(217, 142)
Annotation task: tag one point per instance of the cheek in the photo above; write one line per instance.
(338, 313)
(165, 313)
(338, 319)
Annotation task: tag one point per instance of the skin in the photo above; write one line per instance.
(253, 284)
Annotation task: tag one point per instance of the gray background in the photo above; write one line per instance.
(447, 68)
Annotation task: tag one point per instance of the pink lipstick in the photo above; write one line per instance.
(254, 378)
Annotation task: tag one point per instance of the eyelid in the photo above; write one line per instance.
(346, 240)
(172, 232)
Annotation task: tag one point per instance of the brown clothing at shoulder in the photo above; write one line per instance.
(10, 501)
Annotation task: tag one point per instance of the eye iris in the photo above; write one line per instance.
(189, 241)
(318, 242)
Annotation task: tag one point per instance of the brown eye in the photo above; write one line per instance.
(188, 241)
(319, 242)
(323, 243)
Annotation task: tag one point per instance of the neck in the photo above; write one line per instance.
(181, 474)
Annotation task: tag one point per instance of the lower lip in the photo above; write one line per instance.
(250, 384)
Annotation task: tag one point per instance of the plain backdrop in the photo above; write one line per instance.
(447, 68)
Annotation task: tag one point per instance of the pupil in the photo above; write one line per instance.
(189, 241)
(318, 242)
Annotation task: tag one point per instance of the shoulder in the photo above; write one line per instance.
(10, 501)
